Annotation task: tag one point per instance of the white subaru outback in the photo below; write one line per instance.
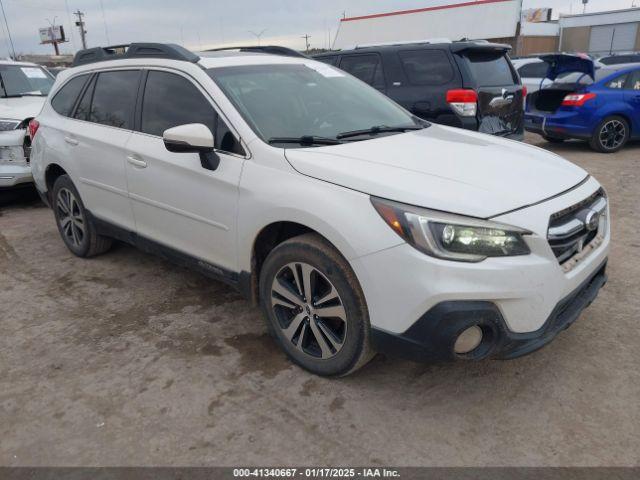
(355, 225)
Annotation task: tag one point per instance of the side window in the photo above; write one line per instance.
(171, 100)
(114, 98)
(65, 99)
(634, 81)
(367, 68)
(617, 83)
(534, 70)
(426, 67)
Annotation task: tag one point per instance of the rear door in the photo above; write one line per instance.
(102, 124)
(367, 67)
(500, 102)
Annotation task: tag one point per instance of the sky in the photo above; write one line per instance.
(199, 24)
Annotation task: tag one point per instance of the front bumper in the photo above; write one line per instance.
(519, 293)
(432, 338)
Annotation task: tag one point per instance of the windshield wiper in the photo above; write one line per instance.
(379, 129)
(305, 140)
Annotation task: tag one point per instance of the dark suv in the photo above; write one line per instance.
(465, 84)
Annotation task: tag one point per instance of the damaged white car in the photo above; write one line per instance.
(23, 89)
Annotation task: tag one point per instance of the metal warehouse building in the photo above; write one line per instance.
(494, 20)
(482, 19)
(602, 32)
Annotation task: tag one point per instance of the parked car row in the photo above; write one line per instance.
(356, 225)
(465, 84)
(23, 88)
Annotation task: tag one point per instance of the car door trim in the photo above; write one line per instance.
(103, 186)
(177, 211)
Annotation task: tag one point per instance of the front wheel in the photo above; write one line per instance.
(611, 135)
(315, 307)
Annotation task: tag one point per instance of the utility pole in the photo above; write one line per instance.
(306, 41)
(80, 25)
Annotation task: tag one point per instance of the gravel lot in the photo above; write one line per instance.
(128, 360)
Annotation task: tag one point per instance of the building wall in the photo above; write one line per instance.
(575, 39)
(531, 45)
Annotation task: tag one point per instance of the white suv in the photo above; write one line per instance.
(356, 226)
(23, 89)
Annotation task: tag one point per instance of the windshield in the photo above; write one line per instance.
(307, 100)
(19, 80)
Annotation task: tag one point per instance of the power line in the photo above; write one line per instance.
(104, 19)
(8, 31)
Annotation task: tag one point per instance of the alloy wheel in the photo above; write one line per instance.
(612, 134)
(309, 310)
(70, 217)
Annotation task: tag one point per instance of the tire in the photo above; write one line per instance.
(304, 327)
(553, 139)
(77, 230)
(610, 135)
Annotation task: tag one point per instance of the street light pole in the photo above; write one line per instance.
(258, 35)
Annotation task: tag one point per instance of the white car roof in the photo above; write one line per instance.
(24, 64)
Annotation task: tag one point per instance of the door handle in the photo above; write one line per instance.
(71, 141)
(136, 162)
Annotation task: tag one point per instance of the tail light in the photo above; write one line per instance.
(33, 128)
(463, 101)
(577, 99)
(524, 91)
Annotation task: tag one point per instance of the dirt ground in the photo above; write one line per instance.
(125, 359)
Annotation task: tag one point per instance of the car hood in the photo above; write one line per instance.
(443, 168)
(560, 63)
(20, 108)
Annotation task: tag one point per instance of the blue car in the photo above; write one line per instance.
(601, 106)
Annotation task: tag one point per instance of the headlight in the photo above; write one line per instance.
(449, 236)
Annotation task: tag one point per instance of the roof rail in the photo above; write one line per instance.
(403, 42)
(270, 49)
(134, 50)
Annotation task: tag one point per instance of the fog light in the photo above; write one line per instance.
(468, 340)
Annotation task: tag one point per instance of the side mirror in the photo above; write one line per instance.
(192, 138)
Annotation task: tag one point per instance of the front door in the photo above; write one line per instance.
(176, 202)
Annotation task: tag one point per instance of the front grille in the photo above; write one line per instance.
(576, 230)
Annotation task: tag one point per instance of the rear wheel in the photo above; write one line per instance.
(76, 228)
(611, 135)
(314, 306)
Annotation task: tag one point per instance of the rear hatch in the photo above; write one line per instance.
(570, 73)
(500, 99)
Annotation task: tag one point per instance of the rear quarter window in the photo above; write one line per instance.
(490, 70)
(426, 67)
(65, 99)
